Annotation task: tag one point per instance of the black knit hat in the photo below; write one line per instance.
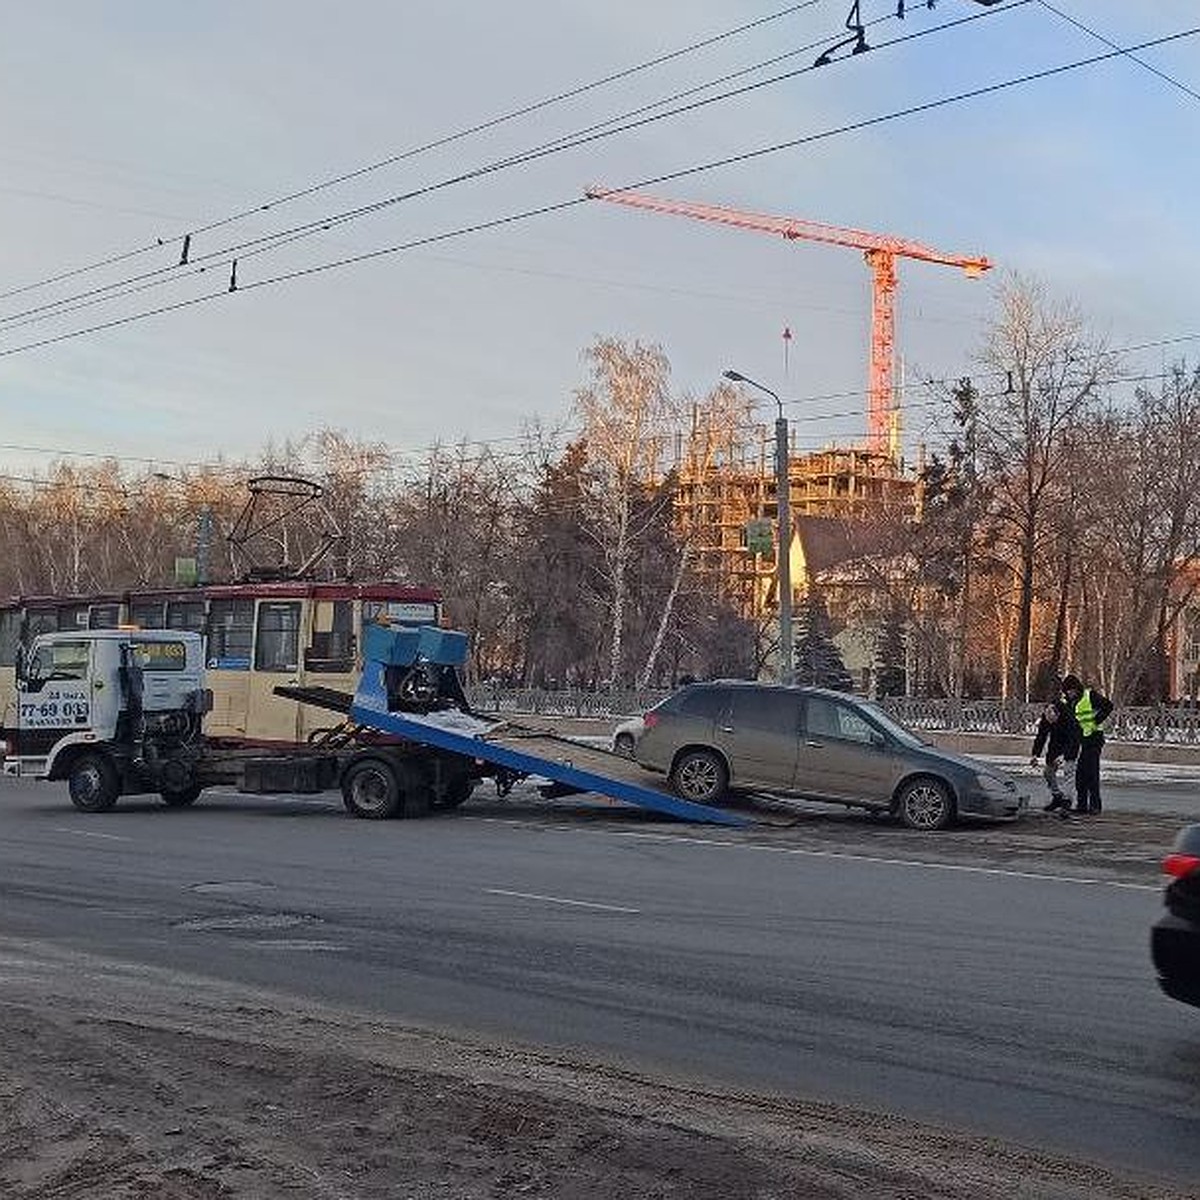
(1071, 683)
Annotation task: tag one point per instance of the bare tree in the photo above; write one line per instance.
(1049, 370)
(626, 410)
(1143, 527)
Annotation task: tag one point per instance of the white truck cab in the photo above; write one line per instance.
(111, 711)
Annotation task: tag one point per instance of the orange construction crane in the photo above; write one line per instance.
(880, 251)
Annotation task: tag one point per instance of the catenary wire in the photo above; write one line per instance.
(277, 240)
(574, 202)
(1179, 339)
(484, 445)
(412, 152)
(562, 205)
(1141, 62)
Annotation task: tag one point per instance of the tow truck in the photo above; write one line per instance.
(120, 712)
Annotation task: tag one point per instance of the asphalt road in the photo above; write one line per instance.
(1128, 787)
(1020, 1007)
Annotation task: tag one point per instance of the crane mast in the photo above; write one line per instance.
(880, 252)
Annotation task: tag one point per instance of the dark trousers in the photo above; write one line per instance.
(1087, 774)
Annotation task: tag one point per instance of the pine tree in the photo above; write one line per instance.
(818, 660)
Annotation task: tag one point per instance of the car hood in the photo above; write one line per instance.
(964, 762)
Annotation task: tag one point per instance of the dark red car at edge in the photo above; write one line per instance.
(1175, 937)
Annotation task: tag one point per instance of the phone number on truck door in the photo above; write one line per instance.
(66, 709)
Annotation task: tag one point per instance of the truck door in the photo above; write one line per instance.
(60, 694)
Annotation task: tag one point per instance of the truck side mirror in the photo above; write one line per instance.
(29, 676)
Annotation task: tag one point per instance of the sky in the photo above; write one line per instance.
(132, 121)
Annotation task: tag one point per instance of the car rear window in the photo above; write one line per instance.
(703, 702)
(773, 711)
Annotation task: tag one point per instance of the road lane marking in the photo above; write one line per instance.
(877, 860)
(303, 945)
(617, 908)
(108, 837)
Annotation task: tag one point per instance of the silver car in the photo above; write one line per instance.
(624, 737)
(712, 738)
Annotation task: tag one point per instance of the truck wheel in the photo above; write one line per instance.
(418, 800)
(371, 790)
(181, 798)
(456, 793)
(93, 783)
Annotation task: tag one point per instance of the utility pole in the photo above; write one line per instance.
(204, 532)
(783, 510)
(783, 521)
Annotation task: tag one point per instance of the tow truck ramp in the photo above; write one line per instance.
(526, 751)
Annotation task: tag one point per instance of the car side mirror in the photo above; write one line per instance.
(878, 739)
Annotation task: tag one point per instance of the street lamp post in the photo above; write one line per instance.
(783, 555)
(204, 530)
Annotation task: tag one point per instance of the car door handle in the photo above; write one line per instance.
(726, 728)
(815, 745)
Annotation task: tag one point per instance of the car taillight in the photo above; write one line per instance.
(1180, 865)
(650, 719)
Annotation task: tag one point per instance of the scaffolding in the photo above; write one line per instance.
(720, 493)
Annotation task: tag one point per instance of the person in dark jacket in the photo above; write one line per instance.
(1090, 710)
(1058, 735)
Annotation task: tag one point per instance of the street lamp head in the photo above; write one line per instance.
(738, 377)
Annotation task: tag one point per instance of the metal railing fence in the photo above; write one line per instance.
(1162, 724)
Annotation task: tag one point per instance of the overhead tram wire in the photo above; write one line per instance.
(573, 202)
(272, 242)
(415, 151)
(1099, 37)
(485, 445)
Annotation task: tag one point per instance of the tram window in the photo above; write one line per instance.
(189, 614)
(277, 646)
(104, 616)
(73, 616)
(10, 632)
(332, 647)
(147, 614)
(230, 634)
(403, 612)
(41, 620)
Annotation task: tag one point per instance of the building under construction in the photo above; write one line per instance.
(721, 496)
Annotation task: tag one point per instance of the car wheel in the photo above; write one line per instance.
(93, 783)
(623, 744)
(700, 776)
(925, 803)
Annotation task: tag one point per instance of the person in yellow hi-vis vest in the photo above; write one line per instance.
(1091, 710)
